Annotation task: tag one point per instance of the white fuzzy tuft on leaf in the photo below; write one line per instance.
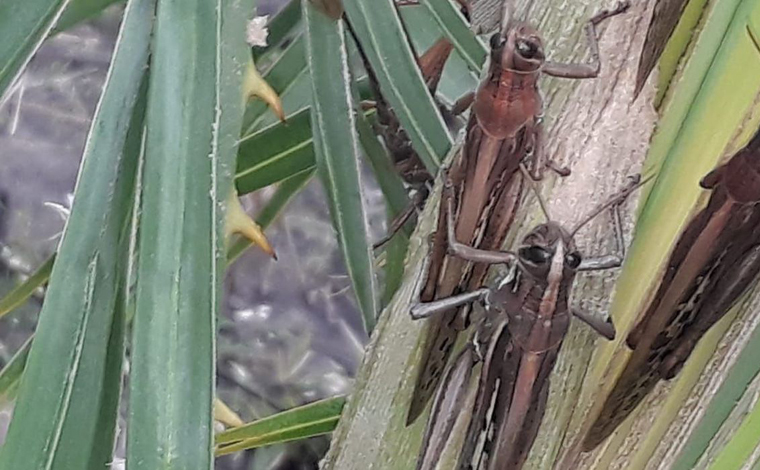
(257, 32)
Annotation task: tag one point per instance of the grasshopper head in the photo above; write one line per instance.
(539, 247)
(520, 49)
(741, 174)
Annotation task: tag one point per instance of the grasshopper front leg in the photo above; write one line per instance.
(465, 252)
(605, 327)
(612, 260)
(586, 70)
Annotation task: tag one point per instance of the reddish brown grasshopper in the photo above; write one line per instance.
(528, 314)
(503, 131)
(715, 261)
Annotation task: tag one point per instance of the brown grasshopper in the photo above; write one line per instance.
(528, 312)
(715, 261)
(504, 131)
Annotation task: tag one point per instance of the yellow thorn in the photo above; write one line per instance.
(239, 222)
(225, 415)
(255, 85)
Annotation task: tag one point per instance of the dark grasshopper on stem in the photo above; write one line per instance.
(405, 159)
(715, 261)
(527, 316)
(504, 131)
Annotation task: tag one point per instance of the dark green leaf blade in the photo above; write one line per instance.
(457, 31)
(298, 423)
(379, 29)
(275, 153)
(65, 413)
(194, 117)
(23, 291)
(23, 27)
(337, 150)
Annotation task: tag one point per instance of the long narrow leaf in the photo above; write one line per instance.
(456, 30)
(275, 153)
(23, 27)
(396, 200)
(379, 29)
(337, 151)
(194, 116)
(280, 27)
(298, 423)
(65, 413)
(23, 291)
(80, 10)
(11, 374)
(389, 181)
(725, 399)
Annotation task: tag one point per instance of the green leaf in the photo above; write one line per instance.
(23, 27)
(297, 423)
(458, 32)
(711, 100)
(723, 402)
(395, 255)
(337, 151)
(281, 26)
(738, 451)
(194, 115)
(286, 191)
(66, 410)
(396, 200)
(379, 30)
(275, 153)
(458, 79)
(81, 10)
(389, 181)
(12, 372)
(23, 291)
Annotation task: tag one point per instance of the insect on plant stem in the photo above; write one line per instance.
(504, 131)
(713, 264)
(527, 313)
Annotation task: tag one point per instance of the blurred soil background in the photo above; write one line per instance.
(290, 331)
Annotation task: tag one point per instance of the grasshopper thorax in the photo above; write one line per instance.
(534, 295)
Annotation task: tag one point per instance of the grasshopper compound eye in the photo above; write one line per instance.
(527, 49)
(573, 260)
(497, 41)
(535, 254)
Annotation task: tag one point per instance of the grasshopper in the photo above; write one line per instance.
(528, 314)
(715, 261)
(504, 131)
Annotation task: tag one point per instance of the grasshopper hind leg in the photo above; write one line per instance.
(438, 346)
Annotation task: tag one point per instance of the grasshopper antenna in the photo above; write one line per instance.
(507, 15)
(635, 184)
(533, 187)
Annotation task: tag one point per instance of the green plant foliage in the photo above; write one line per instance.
(194, 115)
(65, 415)
(378, 28)
(301, 422)
(337, 152)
